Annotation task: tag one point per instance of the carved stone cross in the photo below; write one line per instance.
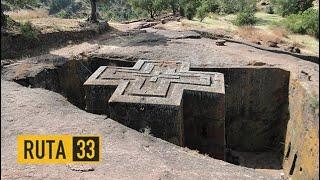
(181, 106)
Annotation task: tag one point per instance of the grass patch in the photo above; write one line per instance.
(212, 21)
(26, 14)
(28, 31)
(267, 21)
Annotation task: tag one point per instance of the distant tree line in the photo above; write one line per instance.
(300, 16)
(188, 8)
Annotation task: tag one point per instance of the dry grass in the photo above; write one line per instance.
(258, 35)
(26, 14)
(213, 21)
(279, 32)
(22, 69)
(56, 24)
(308, 44)
(297, 44)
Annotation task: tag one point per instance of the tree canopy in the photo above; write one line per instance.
(153, 7)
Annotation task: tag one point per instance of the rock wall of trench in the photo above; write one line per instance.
(254, 95)
(256, 108)
(66, 79)
(301, 157)
(16, 45)
(68, 76)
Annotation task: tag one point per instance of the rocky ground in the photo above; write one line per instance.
(127, 154)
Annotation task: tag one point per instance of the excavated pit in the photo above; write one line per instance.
(257, 113)
(256, 110)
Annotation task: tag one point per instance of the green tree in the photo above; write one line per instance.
(152, 7)
(304, 23)
(57, 5)
(29, 31)
(228, 6)
(287, 7)
(188, 8)
(174, 4)
(205, 7)
(118, 10)
(23, 3)
(245, 17)
(233, 6)
(202, 10)
(3, 18)
(213, 5)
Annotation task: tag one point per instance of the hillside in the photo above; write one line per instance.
(268, 30)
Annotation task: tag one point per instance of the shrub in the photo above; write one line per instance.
(3, 19)
(233, 6)
(287, 7)
(28, 31)
(153, 7)
(173, 5)
(63, 14)
(245, 18)
(311, 21)
(213, 5)
(7, 22)
(121, 15)
(294, 23)
(181, 11)
(75, 6)
(57, 5)
(120, 12)
(305, 23)
(205, 7)
(269, 9)
(190, 11)
(188, 8)
(228, 6)
(202, 11)
(22, 3)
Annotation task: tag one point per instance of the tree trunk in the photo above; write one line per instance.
(173, 7)
(151, 14)
(3, 19)
(93, 18)
(181, 11)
